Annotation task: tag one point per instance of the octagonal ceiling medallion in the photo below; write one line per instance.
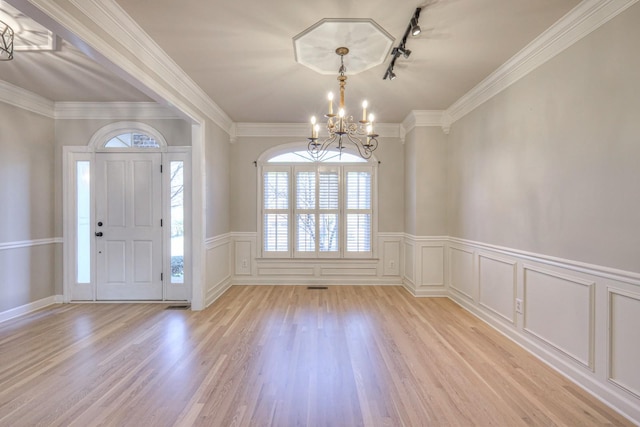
(368, 43)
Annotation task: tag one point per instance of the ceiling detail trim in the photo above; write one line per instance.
(424, 118)
(578, 23)
(112, 18)
(22, 98)
(113, 110)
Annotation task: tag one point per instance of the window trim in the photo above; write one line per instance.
(105, 133)
(264, 165)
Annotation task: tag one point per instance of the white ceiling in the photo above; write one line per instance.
(241, 54)
(61, 74)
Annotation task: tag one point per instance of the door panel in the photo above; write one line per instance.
(128, 203)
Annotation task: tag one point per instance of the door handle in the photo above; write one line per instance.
(99, 234)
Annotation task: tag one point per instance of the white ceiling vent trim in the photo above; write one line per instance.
(578, 23)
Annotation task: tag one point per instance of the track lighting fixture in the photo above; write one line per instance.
(400, 50)
(414, 30)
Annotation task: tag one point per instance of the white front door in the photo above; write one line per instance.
(128, 226)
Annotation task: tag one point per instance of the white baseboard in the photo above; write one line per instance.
(608, 395)
(215, 292)
(28, 308)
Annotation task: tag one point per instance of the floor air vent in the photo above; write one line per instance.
(317, 287)
(179, 307)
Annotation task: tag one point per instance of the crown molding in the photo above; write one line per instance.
(22, 98)
(110, 17)
(578, 23)
(423, 118)
(301, 130)
(130, 53)
(113, 110)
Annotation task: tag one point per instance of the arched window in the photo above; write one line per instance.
(316, 209)
(132, 140)
(127, 136)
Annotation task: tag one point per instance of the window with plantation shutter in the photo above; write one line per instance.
(276, 211)
(317, 209)
(358, 211)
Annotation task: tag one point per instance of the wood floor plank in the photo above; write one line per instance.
(279, 356)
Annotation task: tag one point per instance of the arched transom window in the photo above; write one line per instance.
(316, 209)
(132, 140)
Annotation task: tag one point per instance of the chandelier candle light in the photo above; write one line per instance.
(340, 125)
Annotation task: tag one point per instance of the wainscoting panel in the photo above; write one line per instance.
(580, 318)
(218, 267)
(383, 268)
(461, 276)
(559, 310)
(424, 265)
(391, 257)
(242, 257)
(497, 283)
(624, 347)
(432, 266)
(409, 263)
(280, 270)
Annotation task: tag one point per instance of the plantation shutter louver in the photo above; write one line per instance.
(358, 211)
(276, 211)
(329, 210)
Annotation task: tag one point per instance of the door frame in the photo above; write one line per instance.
(74, 291)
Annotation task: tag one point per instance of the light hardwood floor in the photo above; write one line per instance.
(280, 356)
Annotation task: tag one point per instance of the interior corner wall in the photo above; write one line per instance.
(425, 182)
(217, 168)
(551, 165)
(28, 250)
(543, 209)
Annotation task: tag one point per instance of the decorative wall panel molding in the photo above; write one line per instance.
(624, 340)
(461, 272)
(563, 299)
(497, 285)
(249, 269)
(564, 321)
(30, 243)
(218, 267)
(424, 265)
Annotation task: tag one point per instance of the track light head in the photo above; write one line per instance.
(415, 28)
(392, 75)
(400, 50)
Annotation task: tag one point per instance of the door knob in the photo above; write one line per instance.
(99, 234)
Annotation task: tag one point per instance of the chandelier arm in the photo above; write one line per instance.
(364, 151)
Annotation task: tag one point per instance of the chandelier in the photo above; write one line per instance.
(341, 127)
(6, 42)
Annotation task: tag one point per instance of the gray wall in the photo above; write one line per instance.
(26, 207)
(552, 164)
(243, 176)
(216, 149)
(425, 182)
